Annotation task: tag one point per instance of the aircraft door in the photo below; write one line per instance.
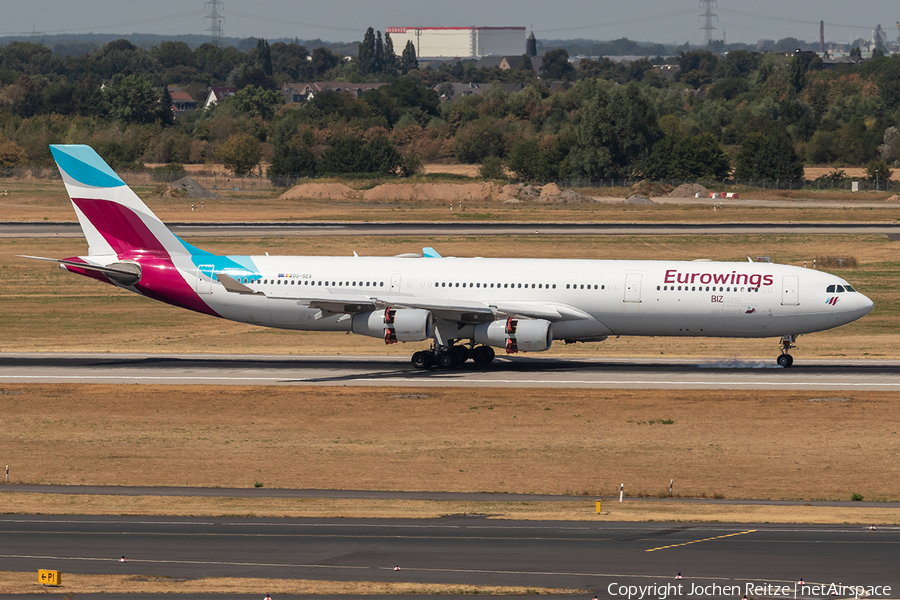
(633, 287)
(790, 290)
(395, 282)
(203, 284)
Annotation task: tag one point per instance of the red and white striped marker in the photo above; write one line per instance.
(801, 582)
(122, 559)
(397, 568)
(679, 576)
(872, 528)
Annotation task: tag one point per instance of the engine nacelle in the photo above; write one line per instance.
(395, 325)
(516, 335)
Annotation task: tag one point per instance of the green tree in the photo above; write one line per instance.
(408, 60)
(527, 160)
(366, 58)
(556, 66)
(264, 57)
(682, 157)
(256, 102)
(492, 168)
(390, 56)
(131, 99)
(615, 133)
(768, 157)
(477, 140)
(410, 164)
(323, 60)
(378, 59)
(289, 62)
(240, 153)
(878, 171)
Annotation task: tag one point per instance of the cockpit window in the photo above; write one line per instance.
(849, 289)
(829, 289)
(840, 288)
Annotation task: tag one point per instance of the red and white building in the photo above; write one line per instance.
(459, 42)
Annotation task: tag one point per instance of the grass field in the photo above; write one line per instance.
(736, 444)
(43, 200)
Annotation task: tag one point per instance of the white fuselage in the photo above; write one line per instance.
(595, 298)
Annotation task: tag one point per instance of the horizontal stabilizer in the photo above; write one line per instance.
(124, 273)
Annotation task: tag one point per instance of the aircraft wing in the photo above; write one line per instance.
(461, 311)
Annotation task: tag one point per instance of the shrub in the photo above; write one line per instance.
(492, 168)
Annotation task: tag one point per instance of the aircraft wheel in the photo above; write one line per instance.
(423, 359)
(785, 360)
(483, 355)
(447, 359)
(463, 353)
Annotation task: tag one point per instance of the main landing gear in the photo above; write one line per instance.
(450, 357)
(787, 342)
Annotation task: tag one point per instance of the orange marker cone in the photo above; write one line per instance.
(122, 559)
(397, 568)
(801, 582)
(268, 597)
(872, 528)
(679, 576)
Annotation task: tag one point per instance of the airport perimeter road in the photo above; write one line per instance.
(62, 229)
(461, 550)
(531, 372)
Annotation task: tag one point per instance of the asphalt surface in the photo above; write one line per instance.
(218, 492)
(531, 372)
(66, 229)
(459, 550)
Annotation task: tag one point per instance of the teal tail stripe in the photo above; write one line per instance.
(85, 166)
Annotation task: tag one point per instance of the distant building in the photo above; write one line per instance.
(765, 45)
(218, 93)
(301, 92)
(182, 101)
(459, 42)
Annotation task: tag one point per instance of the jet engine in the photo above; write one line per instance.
(395, 325)
(525, 335)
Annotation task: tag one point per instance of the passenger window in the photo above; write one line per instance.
(567, 286)
(381, 284)
(554, 286)
(457, 285)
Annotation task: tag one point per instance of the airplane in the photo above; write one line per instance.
(465, 306)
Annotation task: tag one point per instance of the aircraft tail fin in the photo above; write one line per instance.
(113, 218)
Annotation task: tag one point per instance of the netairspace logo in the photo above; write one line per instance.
(668, 590)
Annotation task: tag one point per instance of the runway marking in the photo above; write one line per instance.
(718, 537)
(407, 569)
(445, 381)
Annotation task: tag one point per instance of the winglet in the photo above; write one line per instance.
(430, 252)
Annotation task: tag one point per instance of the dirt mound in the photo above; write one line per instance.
(689, 190)
(650, 188)
(550, 190)
(638, 199)
(189, 188)
(894, 198)
(573, 197)
(433, 192)
(320, 191)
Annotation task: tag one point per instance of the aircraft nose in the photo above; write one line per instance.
(864, 306)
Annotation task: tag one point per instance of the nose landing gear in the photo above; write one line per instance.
(787, 343)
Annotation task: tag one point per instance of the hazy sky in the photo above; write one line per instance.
(345, 20)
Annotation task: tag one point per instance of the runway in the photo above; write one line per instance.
(527, 372)
(460, 550)
(191, 230)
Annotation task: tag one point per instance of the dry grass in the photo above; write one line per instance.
(12, 582)
(321, 508)
(45, 200)
(43, 308)
(742, 444)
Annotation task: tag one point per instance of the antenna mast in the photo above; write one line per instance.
(215, 20)
(708, 5)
